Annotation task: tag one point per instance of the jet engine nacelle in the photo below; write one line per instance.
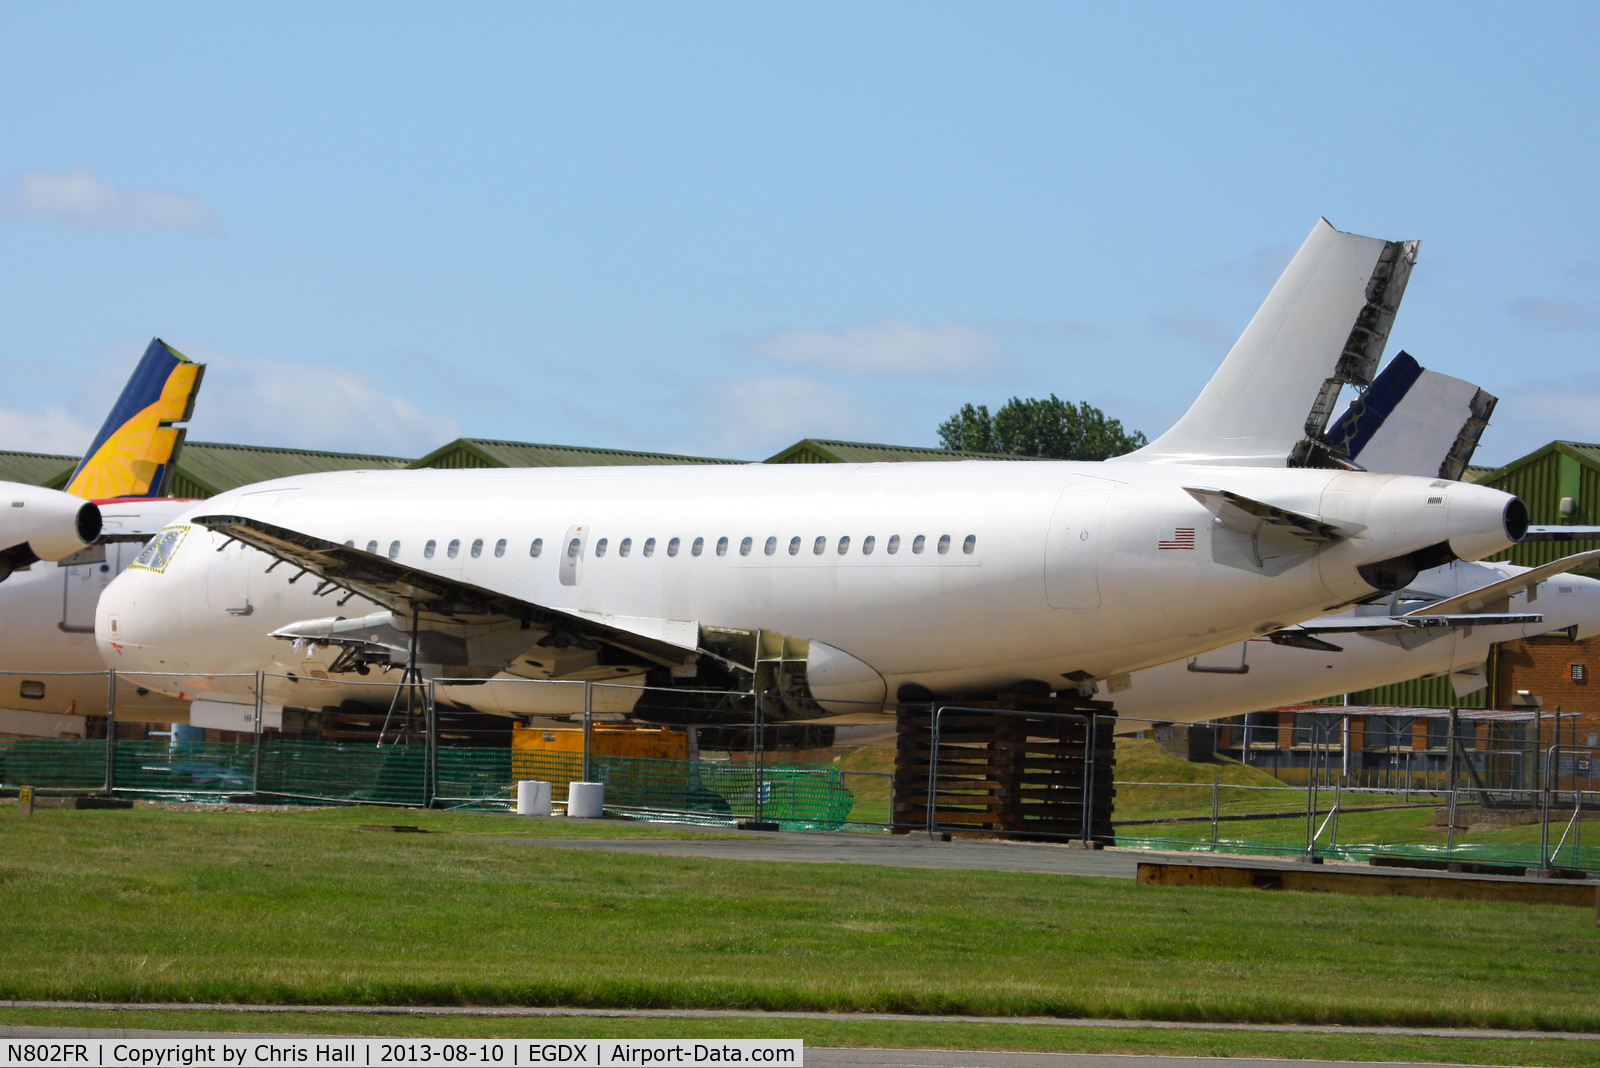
(42, 524)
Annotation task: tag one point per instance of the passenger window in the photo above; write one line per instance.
(771, 546)
(624, 547)
(600, 547)
(970, 544)
(649, 546)
(372, 547)
(844, 545)
(394, 550)
(477, 548)
(868, 543)
(572, 548)
(944, 544)
(453, 548)
(698, 547)
(500, 548)
(744, 546)
(537, 547)
(427, 550)
(350, 545)
(722, 546)
(672, 547)
(794, 545)
(918, 543)
(817, 546)
(894, 544)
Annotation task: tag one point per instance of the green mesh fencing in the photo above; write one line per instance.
(796, 796)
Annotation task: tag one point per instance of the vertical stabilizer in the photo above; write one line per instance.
(132, 454)
(1323, 326)
(1413, 421)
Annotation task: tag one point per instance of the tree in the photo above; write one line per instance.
(1054, 428)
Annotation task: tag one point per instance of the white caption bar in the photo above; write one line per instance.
(379, 1052)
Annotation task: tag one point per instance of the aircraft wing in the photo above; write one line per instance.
(1381, 624)
(1566, 533)
(1323, 326)
(1499, 594)
(450, 610)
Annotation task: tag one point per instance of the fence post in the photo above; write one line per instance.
(761, 752)
(255, 756)
(933, 764)
(1216, 797)
(111, 731)
(430, 764)
(588, 730)
(1544, 812)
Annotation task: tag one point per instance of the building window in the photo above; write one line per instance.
(672, 547)
(624, 547)
(649, 546)
(894, 544)
(944, 544)
(427, 550)
(600, 547)
(537, 547)
(698, 547)
(500, 548)
(1577, 672)
(1320, 729)
(1388, 732)
(970, 545)
(745, 545)
(477, 548)
(771, 546)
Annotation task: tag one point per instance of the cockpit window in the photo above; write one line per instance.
(158, 553)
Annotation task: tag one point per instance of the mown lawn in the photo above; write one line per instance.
(302, 907)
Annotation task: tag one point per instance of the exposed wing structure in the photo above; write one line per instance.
(1497, 595)
(1323, 326)
(511, 635)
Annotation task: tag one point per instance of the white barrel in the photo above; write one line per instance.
(586, 800)
(533, 798)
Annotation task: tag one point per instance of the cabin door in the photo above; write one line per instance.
(1071, 569)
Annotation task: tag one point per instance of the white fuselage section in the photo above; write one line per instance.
(959, 577)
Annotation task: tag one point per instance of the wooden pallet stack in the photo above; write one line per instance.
(1013, 767)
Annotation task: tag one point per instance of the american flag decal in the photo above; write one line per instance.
(1182, 538)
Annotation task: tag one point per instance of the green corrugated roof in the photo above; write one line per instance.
(823, 451)
(35, 468)
(211, 467)
(482, 452)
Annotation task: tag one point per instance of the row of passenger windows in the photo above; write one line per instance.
(869, 545)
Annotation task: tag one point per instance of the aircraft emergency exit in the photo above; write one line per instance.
(860, 582)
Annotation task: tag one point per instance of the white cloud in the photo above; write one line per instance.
(80, 200)
(53, 430)
(888, 347)
(755, 417)
(1197, 328)
(260, 401)
(1551, 313)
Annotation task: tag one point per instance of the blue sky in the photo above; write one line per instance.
(720, 228)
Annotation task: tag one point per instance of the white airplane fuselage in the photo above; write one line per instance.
(1213, 686)
(978, 574)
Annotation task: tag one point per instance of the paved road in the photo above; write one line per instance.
(818, 1056)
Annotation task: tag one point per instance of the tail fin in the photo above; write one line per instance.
(132, 454)
(1413, 421)
(1323, 326)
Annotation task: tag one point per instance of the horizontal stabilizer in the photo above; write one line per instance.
(1412, 421)
(1323, 326)
(1566, 533)
(1258, 519)
(1499, 594)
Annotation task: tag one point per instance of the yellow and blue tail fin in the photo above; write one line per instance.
(133, 452)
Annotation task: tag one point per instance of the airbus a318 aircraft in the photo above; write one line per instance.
(881, 580)
(47, 609)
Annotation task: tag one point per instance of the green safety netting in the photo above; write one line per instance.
(797, 796)
(1573, 853)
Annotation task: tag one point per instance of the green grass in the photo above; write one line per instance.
(301, 907)
(858, 1033)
